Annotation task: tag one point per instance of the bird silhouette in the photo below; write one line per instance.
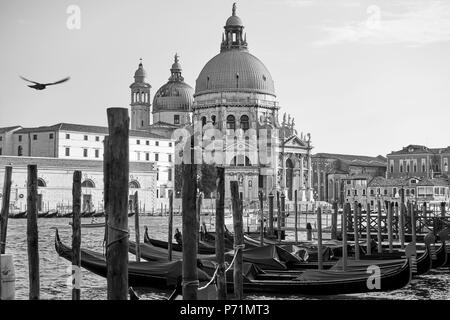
(42, 86)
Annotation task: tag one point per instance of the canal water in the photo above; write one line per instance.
(54, 271)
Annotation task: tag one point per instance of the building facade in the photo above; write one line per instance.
(419, 161)
(330, 173)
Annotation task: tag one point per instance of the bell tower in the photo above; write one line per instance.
(140, 100)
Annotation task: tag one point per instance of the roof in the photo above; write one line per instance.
(68, 164)
(8, 129)
(414, 149)
(85, 129)
(355, 160)
(235, 71)
(174, 95)
(398, 182)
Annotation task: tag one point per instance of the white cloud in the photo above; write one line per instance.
(419, 23)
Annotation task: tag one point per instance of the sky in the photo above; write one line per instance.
(363, 77)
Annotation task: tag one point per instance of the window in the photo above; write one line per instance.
(355, 192)
(88, 184)
(1, 151)
(394, 191)
(50, 136)
(157, 143)
(67, 152)
(415, 167)
(19, 151)
(203, 121)
(385, 192)
(348, 192)
(67, 136)
(147, 143)
(245, 125)
(138, 156)
(231, 123)
(401, 166)
(41, 183)
(170, 158)
(34, 136)
(85, 153)
(147, 156)
(372, 192)
(391, 166)
(156, 157)
(20, 138)
(445, 164)
(97, 153)
(407, 167)
(138, 141)
(213, 119)
(364, 192)
(169, 177)
(1, 138)
(157, 175)
(85, 138)
(170, 144)
(97, 138)
(423, 165)
(176, 119)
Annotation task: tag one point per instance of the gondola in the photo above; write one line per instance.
(98, 214)
(91, 225)
(67, 215)
(203, 248)
(18, 215)
(439, 256)
(130, 214)
(51, 214)
(87, 214)
(161, 275)
(42, 214)
(317, 282)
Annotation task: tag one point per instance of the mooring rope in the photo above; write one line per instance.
(126, 235)
(237, 248)
(212, 279)
(190, 282)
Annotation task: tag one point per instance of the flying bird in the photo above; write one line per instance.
(42, 86)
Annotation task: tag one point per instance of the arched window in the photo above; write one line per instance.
(213, 119)
(231, 122)
(41, 183)
(245, 125)
(241, 161)
(134, 185)
(19, 151)
(88, 184)
(203, 121)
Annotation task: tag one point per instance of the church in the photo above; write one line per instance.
(234, 110)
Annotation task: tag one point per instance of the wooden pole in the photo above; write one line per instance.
(170, 232)
(442, 209)
(296, 215)
(106, 183)
(379, 234)
(190, 226)
(282, 214)
(278, 217)
(32, 233)
(401, 226)
(346, 210)
(220, 239)
(5, 208)
(356, 213)
(261, 224)
(368, 236)
(413, 222)
(76, 234)
(334, 221)
(238, 240)
(198, 207)
(118, 163)
(319, 238)
(136, 227)
(271, 196)
(390, 208)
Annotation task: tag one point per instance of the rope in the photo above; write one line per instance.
(119, 239)
(212, 279)
(189, 283)
(237, 248)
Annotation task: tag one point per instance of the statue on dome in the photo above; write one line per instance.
(233, 11)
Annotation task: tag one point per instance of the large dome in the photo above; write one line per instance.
(235, 70)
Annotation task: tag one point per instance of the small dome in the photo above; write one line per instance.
(234, 21)
(176, 66)
(140, 74)
(173, 96)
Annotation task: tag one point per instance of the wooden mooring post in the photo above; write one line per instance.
(106, 183)
(282, 215)
(32, 234)
(5, 208)
(271, 196)
(76, 235)
(412, 214)
(190, 227)
(334, 218)
(356, 214)
(170, 226)
(137, 233)
(319, 238)
(390, 209)
(401, 224)
(238, 240)
(278, 217)
(296, 215)
(220, 238)
(442, 209)
(118, 178)
(379, 233)
(346, 210)
(261, 223)
(368, 236)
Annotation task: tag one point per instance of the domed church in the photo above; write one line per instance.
(235, 108)
(235, 103)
